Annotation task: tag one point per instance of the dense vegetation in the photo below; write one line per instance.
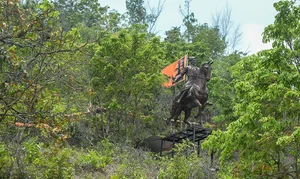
(81, 86)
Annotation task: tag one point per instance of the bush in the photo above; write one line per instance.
(133, 163)
(5, 162)
(47, 162)
(184, 164)
(95, 159)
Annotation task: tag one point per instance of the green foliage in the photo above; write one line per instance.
(5, 161)
(222, 92)
(206, 37)
(133, 163)
(136, 11)
(127, 68)
(185, 164)
(90, 13)
(262, 139)
(31, 62)
(95, 159)
(129, 170)
(47, 162)
(58, 57)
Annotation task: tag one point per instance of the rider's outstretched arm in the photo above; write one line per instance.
(178, 77)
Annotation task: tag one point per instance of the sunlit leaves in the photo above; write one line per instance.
(267, 108)
(5, 160)
(36, 58)
(127, 67)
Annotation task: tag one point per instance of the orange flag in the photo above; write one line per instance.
(173, 70)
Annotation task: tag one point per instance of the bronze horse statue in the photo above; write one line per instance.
(193, 95)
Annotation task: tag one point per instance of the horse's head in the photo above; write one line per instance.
(205, 69)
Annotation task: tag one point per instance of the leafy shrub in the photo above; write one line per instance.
(134, 163)
(93, 159)
(184, 164)
(5, 161)
(47, 162)
(97, 158)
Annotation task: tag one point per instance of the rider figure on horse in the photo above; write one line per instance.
(192, 72)
(195, 91)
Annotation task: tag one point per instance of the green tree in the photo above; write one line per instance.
(174, 44)
(189, 21)
(36, 72)
(126, 75)
(221, 90)
(136, 11)
(208, 42)
(264, 140)
(203, 41)
(139, 13)
(90, 13)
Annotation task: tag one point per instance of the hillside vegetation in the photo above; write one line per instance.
(81, 87)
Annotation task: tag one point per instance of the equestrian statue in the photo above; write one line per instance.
(194, 93)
